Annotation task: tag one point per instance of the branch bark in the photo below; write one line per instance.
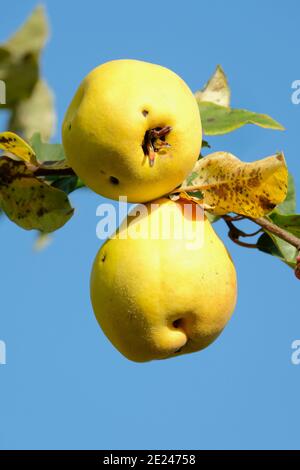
(42, 171)
(278, 231)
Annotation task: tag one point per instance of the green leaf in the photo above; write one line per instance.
(288, 206)
(266, 245)
(269, 243)
(4, 54)
(46, 152)
(19, 58)
(67, 184)
(216, 89)
(291, 222)
(20, 78)
(221, 120)
(35, 114)
(212, 217)
(289, 252)
(195, 194)
(32, 35)
(216, 114)
(30, 202)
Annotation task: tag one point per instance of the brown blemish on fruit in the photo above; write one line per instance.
(114, 180)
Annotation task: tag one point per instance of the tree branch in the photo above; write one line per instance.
(235, 233)
(278, 231)
(261, 221)
(42, 171)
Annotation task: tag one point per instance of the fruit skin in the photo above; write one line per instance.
(140, 287)
(105, 125)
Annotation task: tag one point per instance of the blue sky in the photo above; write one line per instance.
(64, 385)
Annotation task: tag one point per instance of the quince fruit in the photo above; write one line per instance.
(165, 284)
(132, 129)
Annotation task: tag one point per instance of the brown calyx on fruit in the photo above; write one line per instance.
(155, 142)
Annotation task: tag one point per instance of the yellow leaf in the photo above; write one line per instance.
(230, 185)
(12, 143)
(190, 197)
(216, 89)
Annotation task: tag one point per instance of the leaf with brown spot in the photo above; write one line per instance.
(218, 120)
(230, 185)
(216, 89)
(216, 114)
(28, 201)
(14, 144)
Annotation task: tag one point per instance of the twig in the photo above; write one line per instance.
(42, 171)
(261, 221)
(235, 233)
(278, 231)
(297, 269)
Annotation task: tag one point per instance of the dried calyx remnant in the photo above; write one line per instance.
(155, 142)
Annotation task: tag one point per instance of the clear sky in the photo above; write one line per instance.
(64, 385)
